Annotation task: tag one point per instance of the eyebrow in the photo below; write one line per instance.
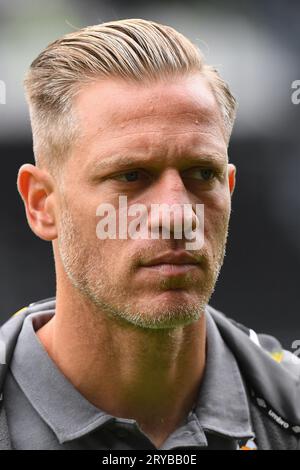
(122, 161)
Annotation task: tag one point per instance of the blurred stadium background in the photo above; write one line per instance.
(255, 45)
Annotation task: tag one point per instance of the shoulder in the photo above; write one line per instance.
(236, 334)
(272, 376)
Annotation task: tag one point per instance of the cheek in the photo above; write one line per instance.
(216, 217)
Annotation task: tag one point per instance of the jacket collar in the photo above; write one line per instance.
(223, 405)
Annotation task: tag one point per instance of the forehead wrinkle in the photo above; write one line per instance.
(150, 149)
(203, 113)
(165, 134)
(201, 117)
(202, 125)
(193, 127)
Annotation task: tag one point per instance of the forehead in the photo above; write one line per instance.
(177, 113)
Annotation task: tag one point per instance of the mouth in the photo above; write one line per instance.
(171, 270)
(173, 263)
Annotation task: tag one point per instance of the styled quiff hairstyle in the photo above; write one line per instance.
(132, 49)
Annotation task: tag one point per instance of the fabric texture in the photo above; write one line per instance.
(266, 404)
(44, 410)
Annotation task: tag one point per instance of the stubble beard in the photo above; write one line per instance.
(95, 282)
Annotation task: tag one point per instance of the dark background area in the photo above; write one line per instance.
(256, 47)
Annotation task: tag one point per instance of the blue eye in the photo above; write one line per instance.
(130, 176)
(207, 174)
(204, 174)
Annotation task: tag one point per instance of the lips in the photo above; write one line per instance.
(172, 264)
(173, 258)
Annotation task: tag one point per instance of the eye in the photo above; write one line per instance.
(204, 174)
(207, 174)
(128, 177)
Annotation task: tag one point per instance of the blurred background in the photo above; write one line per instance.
(255, 45)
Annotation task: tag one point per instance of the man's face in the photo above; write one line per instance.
(153, 143)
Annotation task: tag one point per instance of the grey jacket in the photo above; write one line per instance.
(271, 375)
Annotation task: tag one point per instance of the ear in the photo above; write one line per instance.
(231, 177)
(36, 188)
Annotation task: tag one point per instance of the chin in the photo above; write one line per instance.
(169, 312)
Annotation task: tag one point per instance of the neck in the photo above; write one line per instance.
(150, 375)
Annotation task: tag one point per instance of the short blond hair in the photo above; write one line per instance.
(133, 49)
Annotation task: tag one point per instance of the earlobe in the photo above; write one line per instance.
(38, 197)
(231, 177)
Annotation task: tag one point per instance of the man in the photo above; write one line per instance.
(129, 355)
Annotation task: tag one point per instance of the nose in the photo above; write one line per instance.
(171, 206)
